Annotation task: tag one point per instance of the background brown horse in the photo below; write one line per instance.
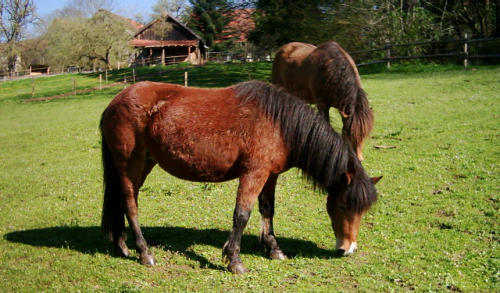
(326, 76)
(251, 131)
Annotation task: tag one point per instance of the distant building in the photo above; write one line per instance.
(165, 41)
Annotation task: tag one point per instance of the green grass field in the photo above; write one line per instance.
(435, 226)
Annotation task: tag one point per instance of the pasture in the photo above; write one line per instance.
(435, 226)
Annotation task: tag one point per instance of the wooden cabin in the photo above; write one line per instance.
(167, 41)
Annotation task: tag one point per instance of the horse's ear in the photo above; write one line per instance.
(376, 179)
(348, 178)
(343, 114)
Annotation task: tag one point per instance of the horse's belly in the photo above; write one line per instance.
(198, 159)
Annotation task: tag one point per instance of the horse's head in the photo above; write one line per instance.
(346, 205)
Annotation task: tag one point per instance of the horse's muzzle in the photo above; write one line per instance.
(339, 252)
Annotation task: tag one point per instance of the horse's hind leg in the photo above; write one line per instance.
(119, 242)
(138, 167)
(266, 208)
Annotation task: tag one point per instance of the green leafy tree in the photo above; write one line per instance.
(65, 43)
(99, 41)
(209, 19)
(105, 38)
(281, 21)
(457, 17)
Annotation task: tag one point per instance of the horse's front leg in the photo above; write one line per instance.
(266, 208)
(249, 189)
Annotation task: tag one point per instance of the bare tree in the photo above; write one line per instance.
(175, 8)
(15, 15)
(88, 8)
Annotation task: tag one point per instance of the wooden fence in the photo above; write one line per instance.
(222, 57)
(463, 53)
(385, 56)
(168, 60)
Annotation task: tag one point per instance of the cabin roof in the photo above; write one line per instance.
(168, 18)
(156, 43)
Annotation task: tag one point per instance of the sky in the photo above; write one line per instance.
(128, 8)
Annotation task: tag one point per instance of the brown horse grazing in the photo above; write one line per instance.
(326, 76)
(251, 131)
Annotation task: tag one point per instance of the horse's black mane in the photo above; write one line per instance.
(342, 82)
(322, 154)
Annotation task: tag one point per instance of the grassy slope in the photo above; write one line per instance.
(435, 226)
(210, 75)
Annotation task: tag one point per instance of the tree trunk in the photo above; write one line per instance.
(497, 21)
(106, 59)
(12, 62)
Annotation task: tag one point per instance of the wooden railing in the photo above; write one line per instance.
(222, 57)
(463, 54)
(158, 60)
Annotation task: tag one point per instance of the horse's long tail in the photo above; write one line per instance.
(360, 122)
(113, 209)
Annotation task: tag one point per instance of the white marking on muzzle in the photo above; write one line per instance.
(352, 247)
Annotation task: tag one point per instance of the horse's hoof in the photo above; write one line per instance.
(147, 259)
(237, 267)
(225, 256)
(124, 252)
(121, 250)
(277, 254)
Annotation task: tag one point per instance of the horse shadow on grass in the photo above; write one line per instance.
(90, 240)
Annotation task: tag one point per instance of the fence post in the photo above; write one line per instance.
(106, 76)
(74, 85)
(185, 78)
(133, 74)
(466, 51)
(32, 87)
(388, 54)
(100, 81)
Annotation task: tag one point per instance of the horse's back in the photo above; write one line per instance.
(288, 60)
(333, 54)
(289, 70)
(197, 134)
(295, 51)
